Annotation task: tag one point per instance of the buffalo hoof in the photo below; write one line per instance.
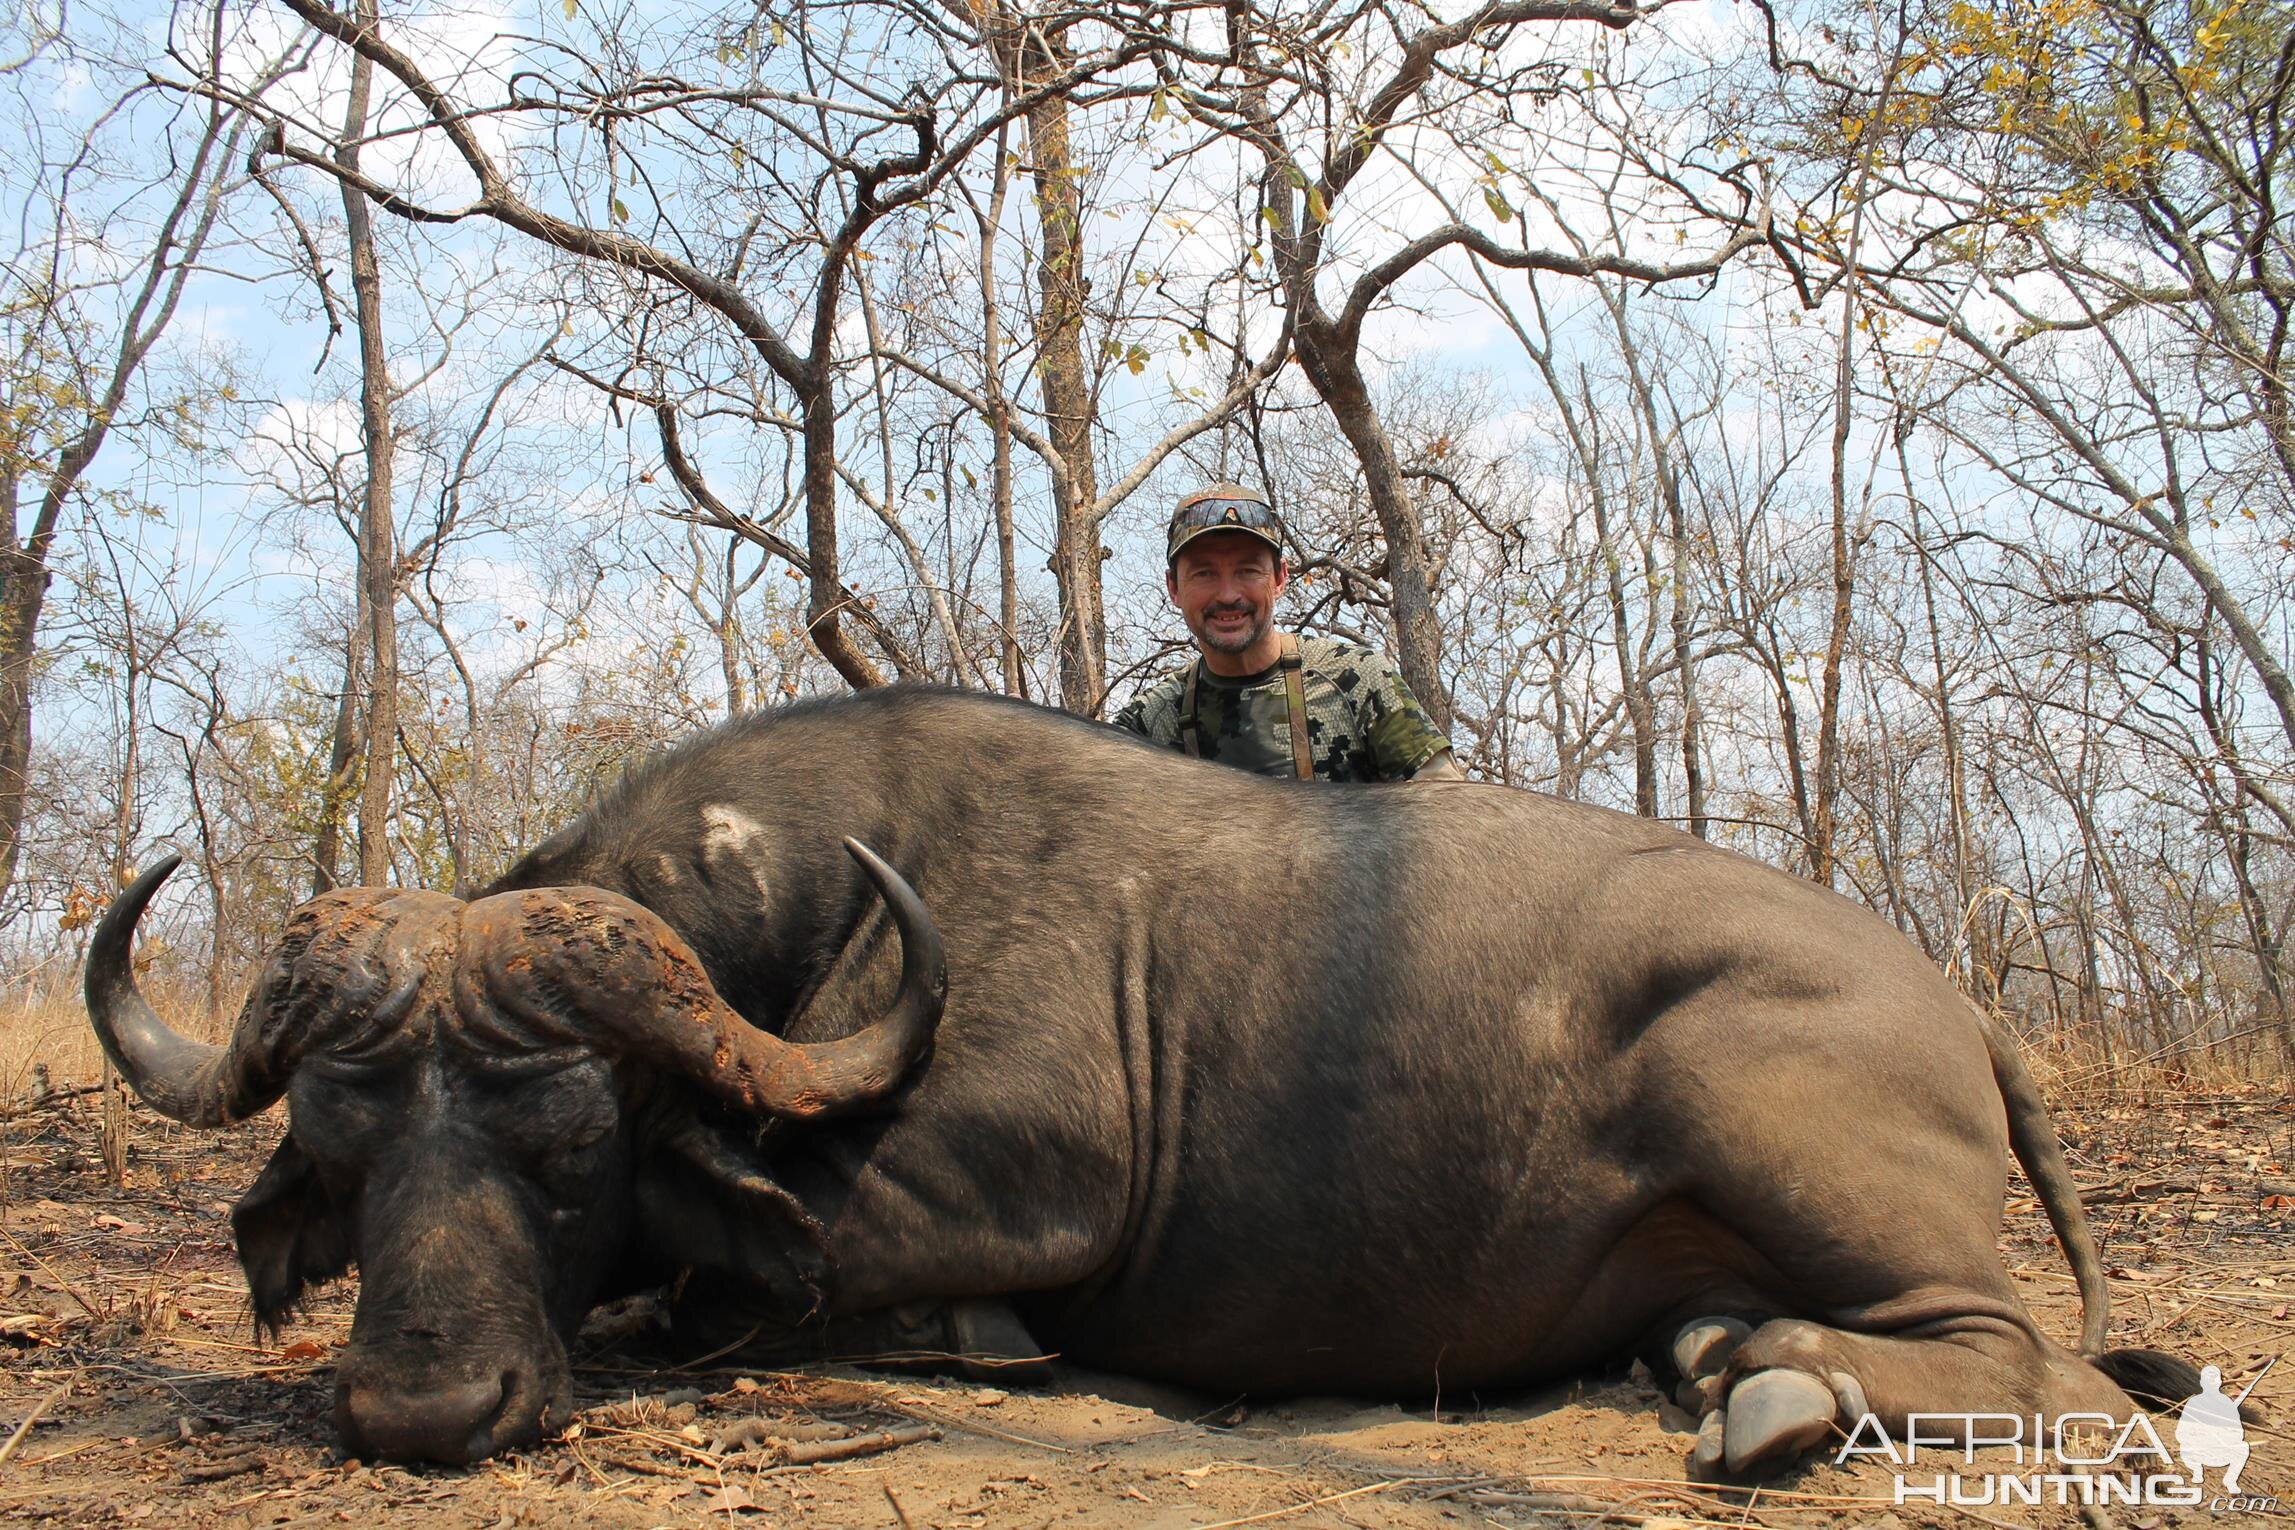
(1700, 1354)
(1700, 1397)
(992, 1344)
(1770, 1418)
(1705, 1456)
(1850, 1394)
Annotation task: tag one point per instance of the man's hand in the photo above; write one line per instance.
(1441, 768)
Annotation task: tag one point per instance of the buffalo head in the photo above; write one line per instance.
(461, 1128)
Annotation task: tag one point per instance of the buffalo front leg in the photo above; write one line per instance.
(1793, 1383)
(980, 1338)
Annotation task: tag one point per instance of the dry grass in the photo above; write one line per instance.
(2081, 1062)
(48, 1028)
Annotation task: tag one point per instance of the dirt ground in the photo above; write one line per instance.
(129, 1350)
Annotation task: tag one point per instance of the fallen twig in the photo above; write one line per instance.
(217, 1471)
(968, 1426)
(33, 1417)
(1552, 1503)
(743, 1434)
(1713, 1490)
(68, 1451)
(660, 1441)
(1314, 1503)
(650, 1468)
(806, 1453)
(62, 1284)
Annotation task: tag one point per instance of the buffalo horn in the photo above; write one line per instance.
(184, 1080)
(612, 968)
(328, 958)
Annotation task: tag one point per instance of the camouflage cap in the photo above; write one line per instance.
(1222, 507)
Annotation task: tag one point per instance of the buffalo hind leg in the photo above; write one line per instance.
(1792, 1383)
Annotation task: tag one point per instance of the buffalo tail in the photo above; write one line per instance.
(2032, 1136)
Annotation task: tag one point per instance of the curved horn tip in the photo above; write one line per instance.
(123, 914)
(154, 874)
(173, 1073)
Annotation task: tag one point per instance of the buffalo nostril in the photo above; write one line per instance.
(452, 1424)
(489, 1436)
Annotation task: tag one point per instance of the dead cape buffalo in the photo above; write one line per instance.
(1240, 1084)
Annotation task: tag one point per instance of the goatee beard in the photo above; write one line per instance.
(1242, 644)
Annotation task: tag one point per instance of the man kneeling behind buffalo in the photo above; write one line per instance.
(1260, 699)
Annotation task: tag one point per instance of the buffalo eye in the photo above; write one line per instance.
(352, 1129)
(569, 1175)
(561, 1130)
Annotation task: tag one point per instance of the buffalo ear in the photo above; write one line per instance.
(291, 1235)
(732, 1225)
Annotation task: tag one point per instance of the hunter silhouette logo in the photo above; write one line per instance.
(2083, 1458)
(2208, 1431)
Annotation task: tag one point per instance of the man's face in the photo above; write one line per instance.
(1225, 586)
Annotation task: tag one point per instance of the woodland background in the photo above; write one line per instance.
(1857, 433)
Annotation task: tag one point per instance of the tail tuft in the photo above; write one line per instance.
(2154, 1379)
(2159, 1380)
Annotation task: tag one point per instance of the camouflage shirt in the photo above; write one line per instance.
(1363, 724)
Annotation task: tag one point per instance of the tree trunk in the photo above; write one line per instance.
(378, 541)
(1978, 955)
(1641, 712)
(725, 626)
(1769, 645)
(1668, 475)
(1844, 569)
(1331, 365)
(826, 597)
(23, 590)
(1067, 387)
(999, 421)
(342, 758)
(175, 252)
(1685, 662)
